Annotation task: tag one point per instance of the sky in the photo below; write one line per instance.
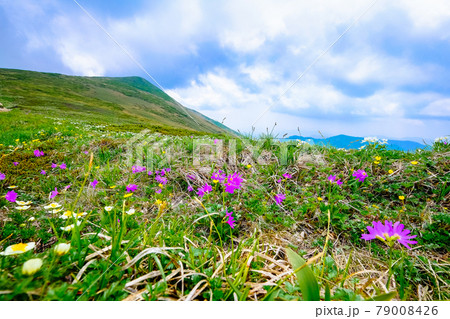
(356, 67)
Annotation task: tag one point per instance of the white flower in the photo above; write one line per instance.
(12, 187)
(54, 211)
(32, 266)
(52, 205)
(20, 203)
(79, 214)
(62, 249)
(66, 214)
(22, 207)
(31, 219)
(369, 139)
(109, 208)
(131, 211)
(70, 227)
(18, 248)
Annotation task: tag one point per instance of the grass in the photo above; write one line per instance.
(123, 101)
(178, 246)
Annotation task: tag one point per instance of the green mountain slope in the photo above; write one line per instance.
(130, 102)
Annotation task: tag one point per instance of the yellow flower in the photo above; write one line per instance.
(391, 171)
(378, 158)
(164, 152)
(66, 214)
(414, 162)
(249, 166)
(319, 199)
(160, 185)
(401, 197)
(62, 249)
(158, 202)
(97, 167)
(31, 266)
(375, 206)
(18, 248)
(114, 186)
(376, 162)
(127, 195)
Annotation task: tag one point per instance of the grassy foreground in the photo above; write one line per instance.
(140, 236)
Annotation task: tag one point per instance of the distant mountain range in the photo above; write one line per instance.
(354, 142)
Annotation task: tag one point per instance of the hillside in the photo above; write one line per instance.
(127, 102)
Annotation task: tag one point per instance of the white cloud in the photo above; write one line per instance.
(440, 107)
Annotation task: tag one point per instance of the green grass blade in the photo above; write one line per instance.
(305, 277)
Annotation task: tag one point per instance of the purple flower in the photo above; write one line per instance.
(332, 178)
(168, 169)
(230, 220)
(279, 180)
(94, 183)
(149, 173)
(54, 193)
(16, 163)
(191, 177)
(218, 177)
(131, 188)
(233, 182)
(2, 176)
(215, 141)
(38, 153)
(86, 152)
(287, 175)
(138, 169)
(339, 182)
(360, 175)
(67, 187)
(204, 189)
(389, 233)
(43, 172)
(54, 165)
(11, 196)
(63, 166)
(190, 189)
(158, 191)
(279, 198)
(161, 180)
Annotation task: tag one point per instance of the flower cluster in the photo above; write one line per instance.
(230, 220)
(374, 139)
(360, 175)
(138, 169)
(38, 153)
(332, 179)
(389, 233)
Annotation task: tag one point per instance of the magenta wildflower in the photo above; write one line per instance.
(215, 141)
(190, 189)
(161, 180)
(16, 163)
(54, 165)
(63, 166)
(230, 220)
(168, 169)
(204, 189)
(149, 173)
(279, 198)
(138, 169)
(287, 175)
(11, 196)
(131, 188)
(38, 153)
(279, 180)
(2, 176)
(389, 233)
(54, 193)
(191, 177)
(67, 187)
(218, 177)
(332, 178)
(233, 182)
(94, 183)
(339, 182)
(360, 175)
(158, 191)
(43, 172)
(86, 152)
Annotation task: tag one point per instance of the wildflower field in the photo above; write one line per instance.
(88, 212)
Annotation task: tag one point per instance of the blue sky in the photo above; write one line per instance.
(386, 77)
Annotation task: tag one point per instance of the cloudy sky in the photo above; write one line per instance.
(387, 75)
